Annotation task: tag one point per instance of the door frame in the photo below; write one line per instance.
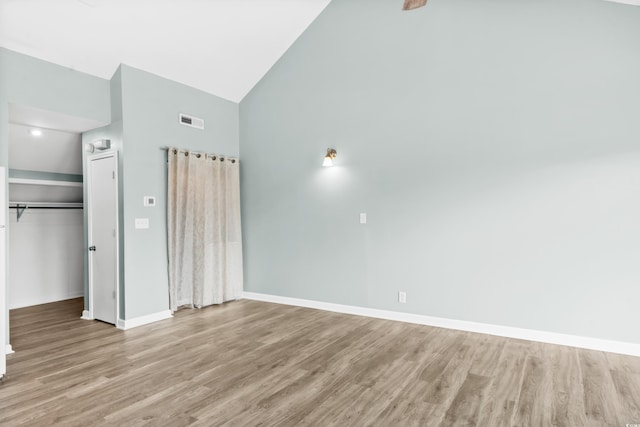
(90, 159)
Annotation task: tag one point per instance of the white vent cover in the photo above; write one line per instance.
(194, 122)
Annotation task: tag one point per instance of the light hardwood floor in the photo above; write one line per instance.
(252, 363)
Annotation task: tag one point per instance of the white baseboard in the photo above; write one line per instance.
(462, 325)
(86, 315)
(8, 349)
(143, 320)
(49, 299)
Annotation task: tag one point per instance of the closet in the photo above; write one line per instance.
(45, 241)
(45, 218)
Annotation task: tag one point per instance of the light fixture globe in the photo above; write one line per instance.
(328, 159)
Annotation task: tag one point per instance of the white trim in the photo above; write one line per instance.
(87, 178)
(143, 320)
(462, 325)
(86, 315)
(8, 349)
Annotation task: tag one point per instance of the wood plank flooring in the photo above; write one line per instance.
(250, 363)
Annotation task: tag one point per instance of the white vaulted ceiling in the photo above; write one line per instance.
(222, 47)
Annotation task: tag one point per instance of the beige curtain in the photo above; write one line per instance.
(205, 239)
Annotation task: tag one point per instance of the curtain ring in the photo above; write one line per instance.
(186, 153)
(233, 161)
(222, 159)
(213, 158)
(198, 155)
(175, 151)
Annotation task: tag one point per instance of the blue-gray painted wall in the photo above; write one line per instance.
(143, 111)
(494, 145)
(150, 108)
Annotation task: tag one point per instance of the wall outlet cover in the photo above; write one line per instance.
(142, 223)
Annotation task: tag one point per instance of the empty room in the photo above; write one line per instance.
(320, 212)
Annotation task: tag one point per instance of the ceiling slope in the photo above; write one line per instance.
(223, 47)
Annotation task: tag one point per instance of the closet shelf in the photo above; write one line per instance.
(28, 181)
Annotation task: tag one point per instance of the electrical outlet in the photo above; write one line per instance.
(402, 297)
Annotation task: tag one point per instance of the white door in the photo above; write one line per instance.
(102, 195)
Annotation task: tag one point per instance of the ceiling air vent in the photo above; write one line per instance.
(188, 120)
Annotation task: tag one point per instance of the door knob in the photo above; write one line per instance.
(92, 248)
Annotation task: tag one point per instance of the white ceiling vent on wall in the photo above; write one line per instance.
(194, 122)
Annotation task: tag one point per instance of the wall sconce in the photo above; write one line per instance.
(328, 159)
(100, 144)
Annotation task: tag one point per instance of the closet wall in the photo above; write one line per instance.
(45, 256)
(46, 241)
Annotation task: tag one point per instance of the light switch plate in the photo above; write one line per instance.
(142, 223)
(363, 218)
(402, 297)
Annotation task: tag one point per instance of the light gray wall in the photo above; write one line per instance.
(45, 256)
(35, 83)
(494, 145)
(150, 108)
(32, 82)
(145, 111)
(147, 107)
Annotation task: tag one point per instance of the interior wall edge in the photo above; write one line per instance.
(125, 324)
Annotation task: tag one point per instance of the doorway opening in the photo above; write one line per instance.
(45, 223)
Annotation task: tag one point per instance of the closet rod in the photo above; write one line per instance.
(21, 207)
(46, 207)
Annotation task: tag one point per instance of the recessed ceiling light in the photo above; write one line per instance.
(35, 132)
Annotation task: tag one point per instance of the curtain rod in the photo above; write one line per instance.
(214, 156)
